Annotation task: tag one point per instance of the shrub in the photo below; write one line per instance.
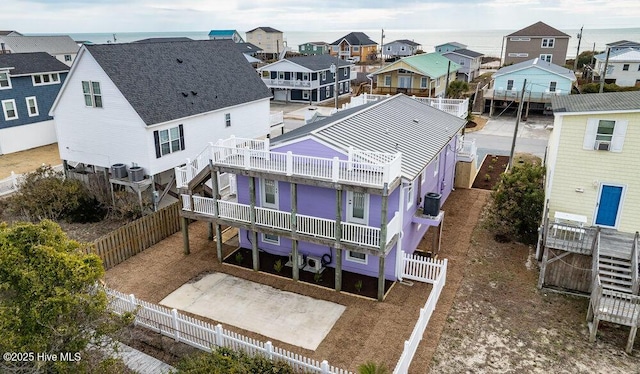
(224, 360)
(517, 202)
(358, 285)
(277, 266)
(46, 194)
(372, 368)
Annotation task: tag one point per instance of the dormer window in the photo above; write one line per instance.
(5, 81)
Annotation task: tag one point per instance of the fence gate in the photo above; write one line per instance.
(420, 268)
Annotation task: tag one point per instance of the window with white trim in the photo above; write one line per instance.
(356, 48)
(424, 82)
(546, 57)
(410, 195)
(387, 80)
(552, 86)
(437, 82)
(327, 91)
(5, 81)
(9, 109)
(92, 94)
(518, 55)
(605, 134)
(271, 239)
(324, 75)
(305, 95)
(67, 58)
(305, 76)
(281, 75)
(625, 67)
(335, 48)
(548, 42)
(514, 39)
(358, 257)
(227, 119)
(32, 106)
(169, 140)
(509, 84)
(45, 79)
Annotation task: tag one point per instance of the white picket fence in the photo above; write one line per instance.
(429, 271)
(203, 335)
(12, 183)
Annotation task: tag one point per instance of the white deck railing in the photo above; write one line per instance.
(308, 225)
(457, 107)
(296, 83)
(468, 150)
(205, 336)
(361, 167)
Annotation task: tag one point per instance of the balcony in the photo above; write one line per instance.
(285, 83)
(514, 95)
(457, 107)
(362, 168)
(306, 226)
(467, 150)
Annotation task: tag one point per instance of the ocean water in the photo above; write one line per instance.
(488, 42)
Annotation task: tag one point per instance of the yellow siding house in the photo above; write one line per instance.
(593, 159)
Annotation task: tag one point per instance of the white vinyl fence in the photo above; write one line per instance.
(12, 183)
(424, 270)
(203, 335)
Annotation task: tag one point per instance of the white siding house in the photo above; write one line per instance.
(116, 108)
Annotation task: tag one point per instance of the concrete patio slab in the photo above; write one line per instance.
(285, 316)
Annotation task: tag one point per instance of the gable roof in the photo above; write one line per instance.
(539, 64)
(317, 62)
(623, 55)
(455, 44)
(164, 40)
(53, 45)
(168, 81)
(228, 33)
(539, 29)
(405, 41)
(623, 43)
(431, 64)
(248, 48)
(465, 52)
(356, 38)
(600, 102)
(396, 124)
(31, 63)
(315, 43)
(9, 32)
(266, 29)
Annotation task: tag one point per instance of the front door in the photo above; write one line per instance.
(404, 81)
(358, 207)
(608, 205)
(269, 192)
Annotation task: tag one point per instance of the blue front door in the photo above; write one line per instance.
(608, 205)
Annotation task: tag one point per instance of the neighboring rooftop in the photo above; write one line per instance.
(228, 33)
(623, 43)
(623, 55)
(467, 53)
(54, 44)
(396, 124)
(455, 44)
(9, 32)
(540, 64)
(266, 29)
(431, 64)
(248, 48)
(180, 79)
(317, 62)
(356, 38)
(164, 40)
(31, 63)
(540, 29)
(600, 102)
(406, 41)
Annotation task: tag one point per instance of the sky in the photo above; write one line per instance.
(98, 16)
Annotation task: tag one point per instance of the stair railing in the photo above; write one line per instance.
(635, 285)
(595, 253)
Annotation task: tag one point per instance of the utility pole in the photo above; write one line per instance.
(515, 131)
(446, 87)
(501, 49)
(575, 63)
(381, 46)
(604, 71)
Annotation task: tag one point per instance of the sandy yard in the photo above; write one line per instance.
(29, 160)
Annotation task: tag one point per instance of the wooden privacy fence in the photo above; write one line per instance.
(136, 236)
(203, 335)
(429, 271)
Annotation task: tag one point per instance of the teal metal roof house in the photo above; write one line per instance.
(226, 34)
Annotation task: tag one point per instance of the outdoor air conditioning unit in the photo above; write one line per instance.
(603, 145)
(314, 264)
(301, 262)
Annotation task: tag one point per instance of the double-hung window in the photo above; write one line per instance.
(423, 82)
(625, 67)
(92, 94)
(387, 80)
(32, 106)
(546, 57)
(9, 109)
(605, 134)
(169, 140)
(227, 119)
(5, 81)
(548, 42)
(552, 86)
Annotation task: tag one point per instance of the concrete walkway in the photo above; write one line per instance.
(141, 362)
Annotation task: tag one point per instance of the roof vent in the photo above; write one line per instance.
(185, 94)
(416, 120)
(179, 60)
(194, 93)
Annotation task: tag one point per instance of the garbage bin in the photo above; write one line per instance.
(431, 204)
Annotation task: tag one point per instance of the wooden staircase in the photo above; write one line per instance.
(616, 258)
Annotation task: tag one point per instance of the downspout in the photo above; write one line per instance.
(370, 77)
(399, 264)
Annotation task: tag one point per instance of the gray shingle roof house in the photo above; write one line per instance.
(9, 32)
(213, 75)
(469, 62)
(356, 38)
(157, 104)
(400, 48)
(164, 40)
(31, 63)
(356, 46)
(61, 47)
(536, 40)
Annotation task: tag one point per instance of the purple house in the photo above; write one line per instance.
(343, 192)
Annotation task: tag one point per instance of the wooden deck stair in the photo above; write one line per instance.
(199, 179)
(615, 264)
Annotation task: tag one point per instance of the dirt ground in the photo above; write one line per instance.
(368, 330)
(29, 160)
